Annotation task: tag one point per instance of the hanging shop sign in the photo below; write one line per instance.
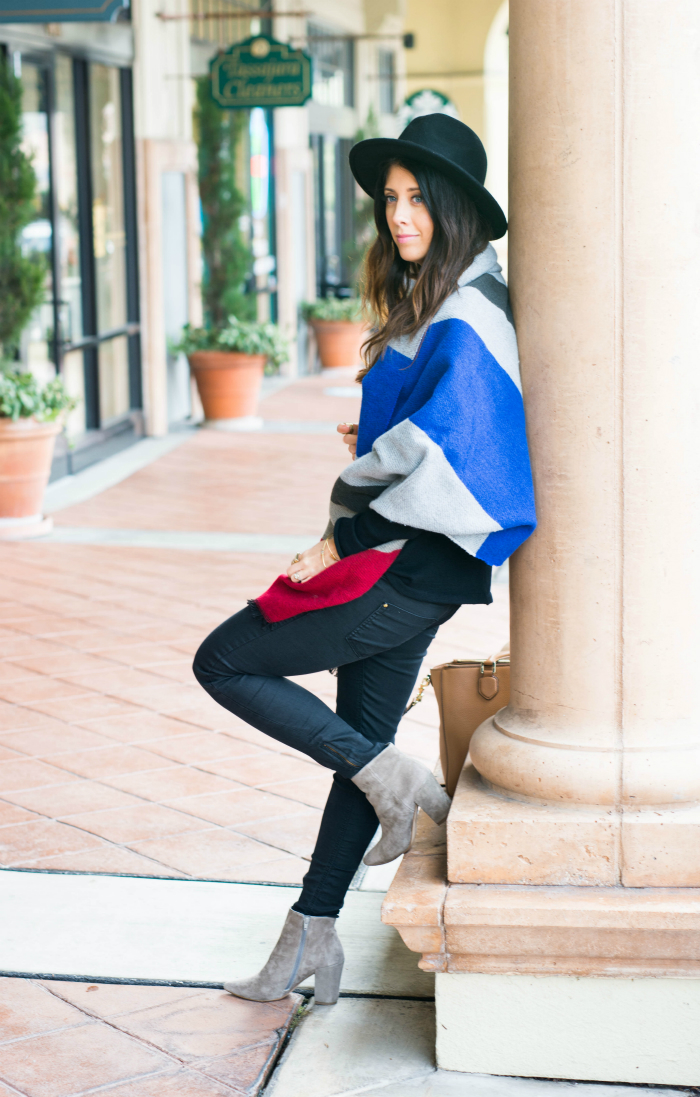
(261, 72)
(60, 11)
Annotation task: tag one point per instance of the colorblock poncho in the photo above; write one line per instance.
(441, 444)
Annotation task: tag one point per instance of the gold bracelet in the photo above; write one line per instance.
(323, 549)
(333, 555)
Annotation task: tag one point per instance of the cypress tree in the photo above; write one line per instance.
(227, 258)
(21, 276)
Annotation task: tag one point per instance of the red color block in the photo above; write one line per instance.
(352, 577)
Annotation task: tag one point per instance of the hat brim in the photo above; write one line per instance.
(366, 158)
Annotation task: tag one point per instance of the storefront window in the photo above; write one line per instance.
(73, 375)
(260, 207)
(335, 198)
(387, 79)
(37, 339)
(66, 184)
(334, 62)
(78, 134)
(330, 210)
(113, 368)
(109, 237)
(108, 197)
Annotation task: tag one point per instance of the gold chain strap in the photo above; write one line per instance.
(419, 696)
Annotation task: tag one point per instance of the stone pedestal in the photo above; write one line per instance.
(573, 851)
(586, 983)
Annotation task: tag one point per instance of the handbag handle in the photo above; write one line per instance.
(501, 658)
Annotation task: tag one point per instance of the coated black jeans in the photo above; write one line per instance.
(377, 642)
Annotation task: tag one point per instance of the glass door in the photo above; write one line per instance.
(335, 204)
(68, 260)
(78, 133)
(109, 241)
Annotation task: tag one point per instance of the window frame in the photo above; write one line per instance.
(92, 338)
(386, 70)
(323, 40)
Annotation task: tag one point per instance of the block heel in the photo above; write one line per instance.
(434, 800)
(307, 946)
(327, 984)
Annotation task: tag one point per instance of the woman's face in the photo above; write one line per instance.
(407, 215)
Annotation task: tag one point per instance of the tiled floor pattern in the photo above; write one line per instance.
(315, 399)
(113, 760)
(62, 1039)
(237, 483)
(255, 483)
(111, 756)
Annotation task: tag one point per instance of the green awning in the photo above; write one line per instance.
(59, 11)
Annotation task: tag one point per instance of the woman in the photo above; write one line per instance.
(440, 490)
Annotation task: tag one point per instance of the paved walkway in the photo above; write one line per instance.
(113, 760)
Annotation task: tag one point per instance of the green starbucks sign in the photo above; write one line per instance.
(261, 72)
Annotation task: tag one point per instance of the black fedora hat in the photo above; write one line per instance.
(440, 142)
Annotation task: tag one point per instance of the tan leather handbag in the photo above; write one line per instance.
(468, 691)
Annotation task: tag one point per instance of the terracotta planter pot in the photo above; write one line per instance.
(228, 382)
(339, 342)
(26, 449)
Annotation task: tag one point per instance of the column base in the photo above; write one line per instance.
(641, 1030)
(584, 983)
(496, 839)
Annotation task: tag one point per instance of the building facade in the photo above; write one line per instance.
(108, 122)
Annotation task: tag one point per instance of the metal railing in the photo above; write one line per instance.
(223, 22)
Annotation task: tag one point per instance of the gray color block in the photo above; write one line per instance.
(416, 469)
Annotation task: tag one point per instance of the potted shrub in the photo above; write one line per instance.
(21, 273)
(30, 419)
(228, 365)
(339, 329)
(228, 259)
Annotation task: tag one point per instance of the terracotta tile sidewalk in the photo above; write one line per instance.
(113, 760)
(107, 743)
(238, 483)
(63, 1039)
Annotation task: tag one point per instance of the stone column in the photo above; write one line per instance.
(604, 719)
(566, 935)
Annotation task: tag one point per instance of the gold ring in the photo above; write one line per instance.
(297, 558)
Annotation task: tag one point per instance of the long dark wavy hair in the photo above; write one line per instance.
(401, 296)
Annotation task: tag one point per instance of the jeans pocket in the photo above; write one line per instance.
(385, 628)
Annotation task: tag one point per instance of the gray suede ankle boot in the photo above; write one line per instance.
(307, 946)
(396, 786)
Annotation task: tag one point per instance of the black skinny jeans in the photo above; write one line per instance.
(377, 642)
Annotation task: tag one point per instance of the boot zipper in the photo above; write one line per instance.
(300, 953)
